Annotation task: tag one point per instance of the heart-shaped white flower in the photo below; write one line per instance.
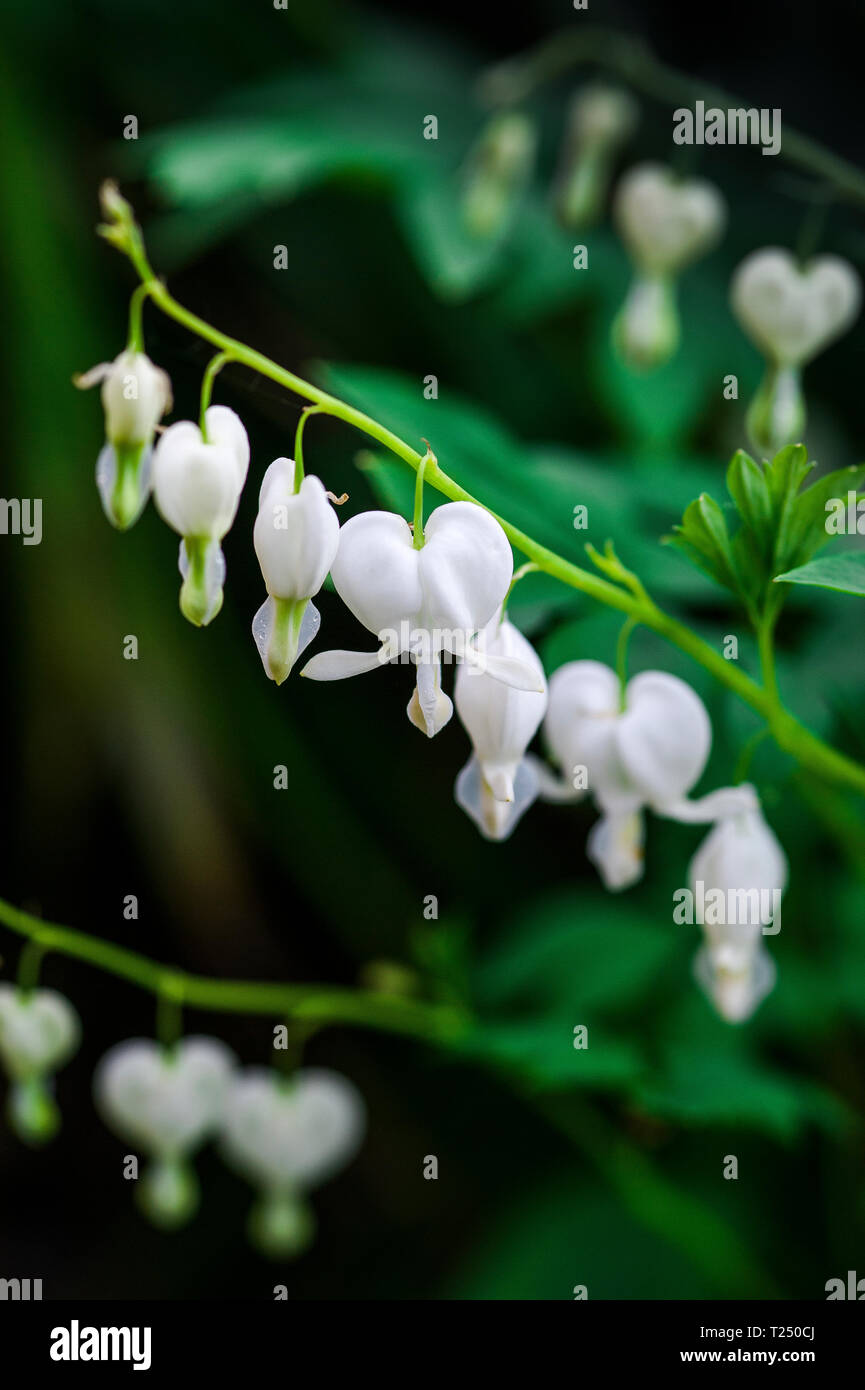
(666, 222)
(421, 602)
(286, 1134)
(791, 312)
(646, 748)
(166, 1101)
(296, 537)
(498, 783)
(39, 1031)
(135, 396)
(197, 486)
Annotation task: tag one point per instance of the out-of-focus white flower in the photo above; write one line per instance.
(168, 1102)
(296, 537)
(423, 602)
(286, 1134)
(498, 783)
(39, 1032)
(135, 396)
(665, 223)
(498, 171)
(647, 748)
(601, 119)
(791, 312)
(197, 485)
(738, 875)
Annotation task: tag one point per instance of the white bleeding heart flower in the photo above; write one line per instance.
(498, 783)
(737, 878)
(791, 312)
(135, 396)
(197, 484)
(285, 1134)
(168, 1102)
(39, 1032)
(601, 119)
(498, 171)
(423, 602)
(296, 537)
(666, 222)
(644, 748)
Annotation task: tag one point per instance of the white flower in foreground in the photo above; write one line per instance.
(665, 223)
(135, 396)
(286, 1134)
(423, 602)
(39, 1032)
(791, 312)
(499, 783)
(296, 537)
(647, 749)
(739, 872)
(168, 1102)
(197, 485)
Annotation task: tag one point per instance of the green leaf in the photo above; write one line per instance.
(846, 573)
(747, 485)
(703, 535)
(808, 531)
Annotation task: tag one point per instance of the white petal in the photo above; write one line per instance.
(495, 819)
(338, 665)
(429, 709)
(375, 571)
(466, 566)
(615, 847)
(663, 736)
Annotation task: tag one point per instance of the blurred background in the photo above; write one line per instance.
(302, 127)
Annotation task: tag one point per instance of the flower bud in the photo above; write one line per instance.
(296, 538)
(197, 485)
(601, 119)
(646, 329)
(499, 170)
(498, 784)
(39, 1032)
(135, 396)
(741, 864)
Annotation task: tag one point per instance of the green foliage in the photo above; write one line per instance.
(846, 573)
(781, 526)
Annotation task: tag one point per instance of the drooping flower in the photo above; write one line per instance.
(168, 1102)
(423, 602)
(39, 1032)
(197, 483)
(287, 1134)
(738, 875)
(644, 748)
(665, 223)
(791, 312)
(135, 396)
(296, 537)
(499, 783)
(498, 171)
(601, 118)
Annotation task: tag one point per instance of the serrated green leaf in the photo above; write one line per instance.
(746, 484)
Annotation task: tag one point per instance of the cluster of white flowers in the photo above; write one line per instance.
(284, 1133)
(439, 592)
